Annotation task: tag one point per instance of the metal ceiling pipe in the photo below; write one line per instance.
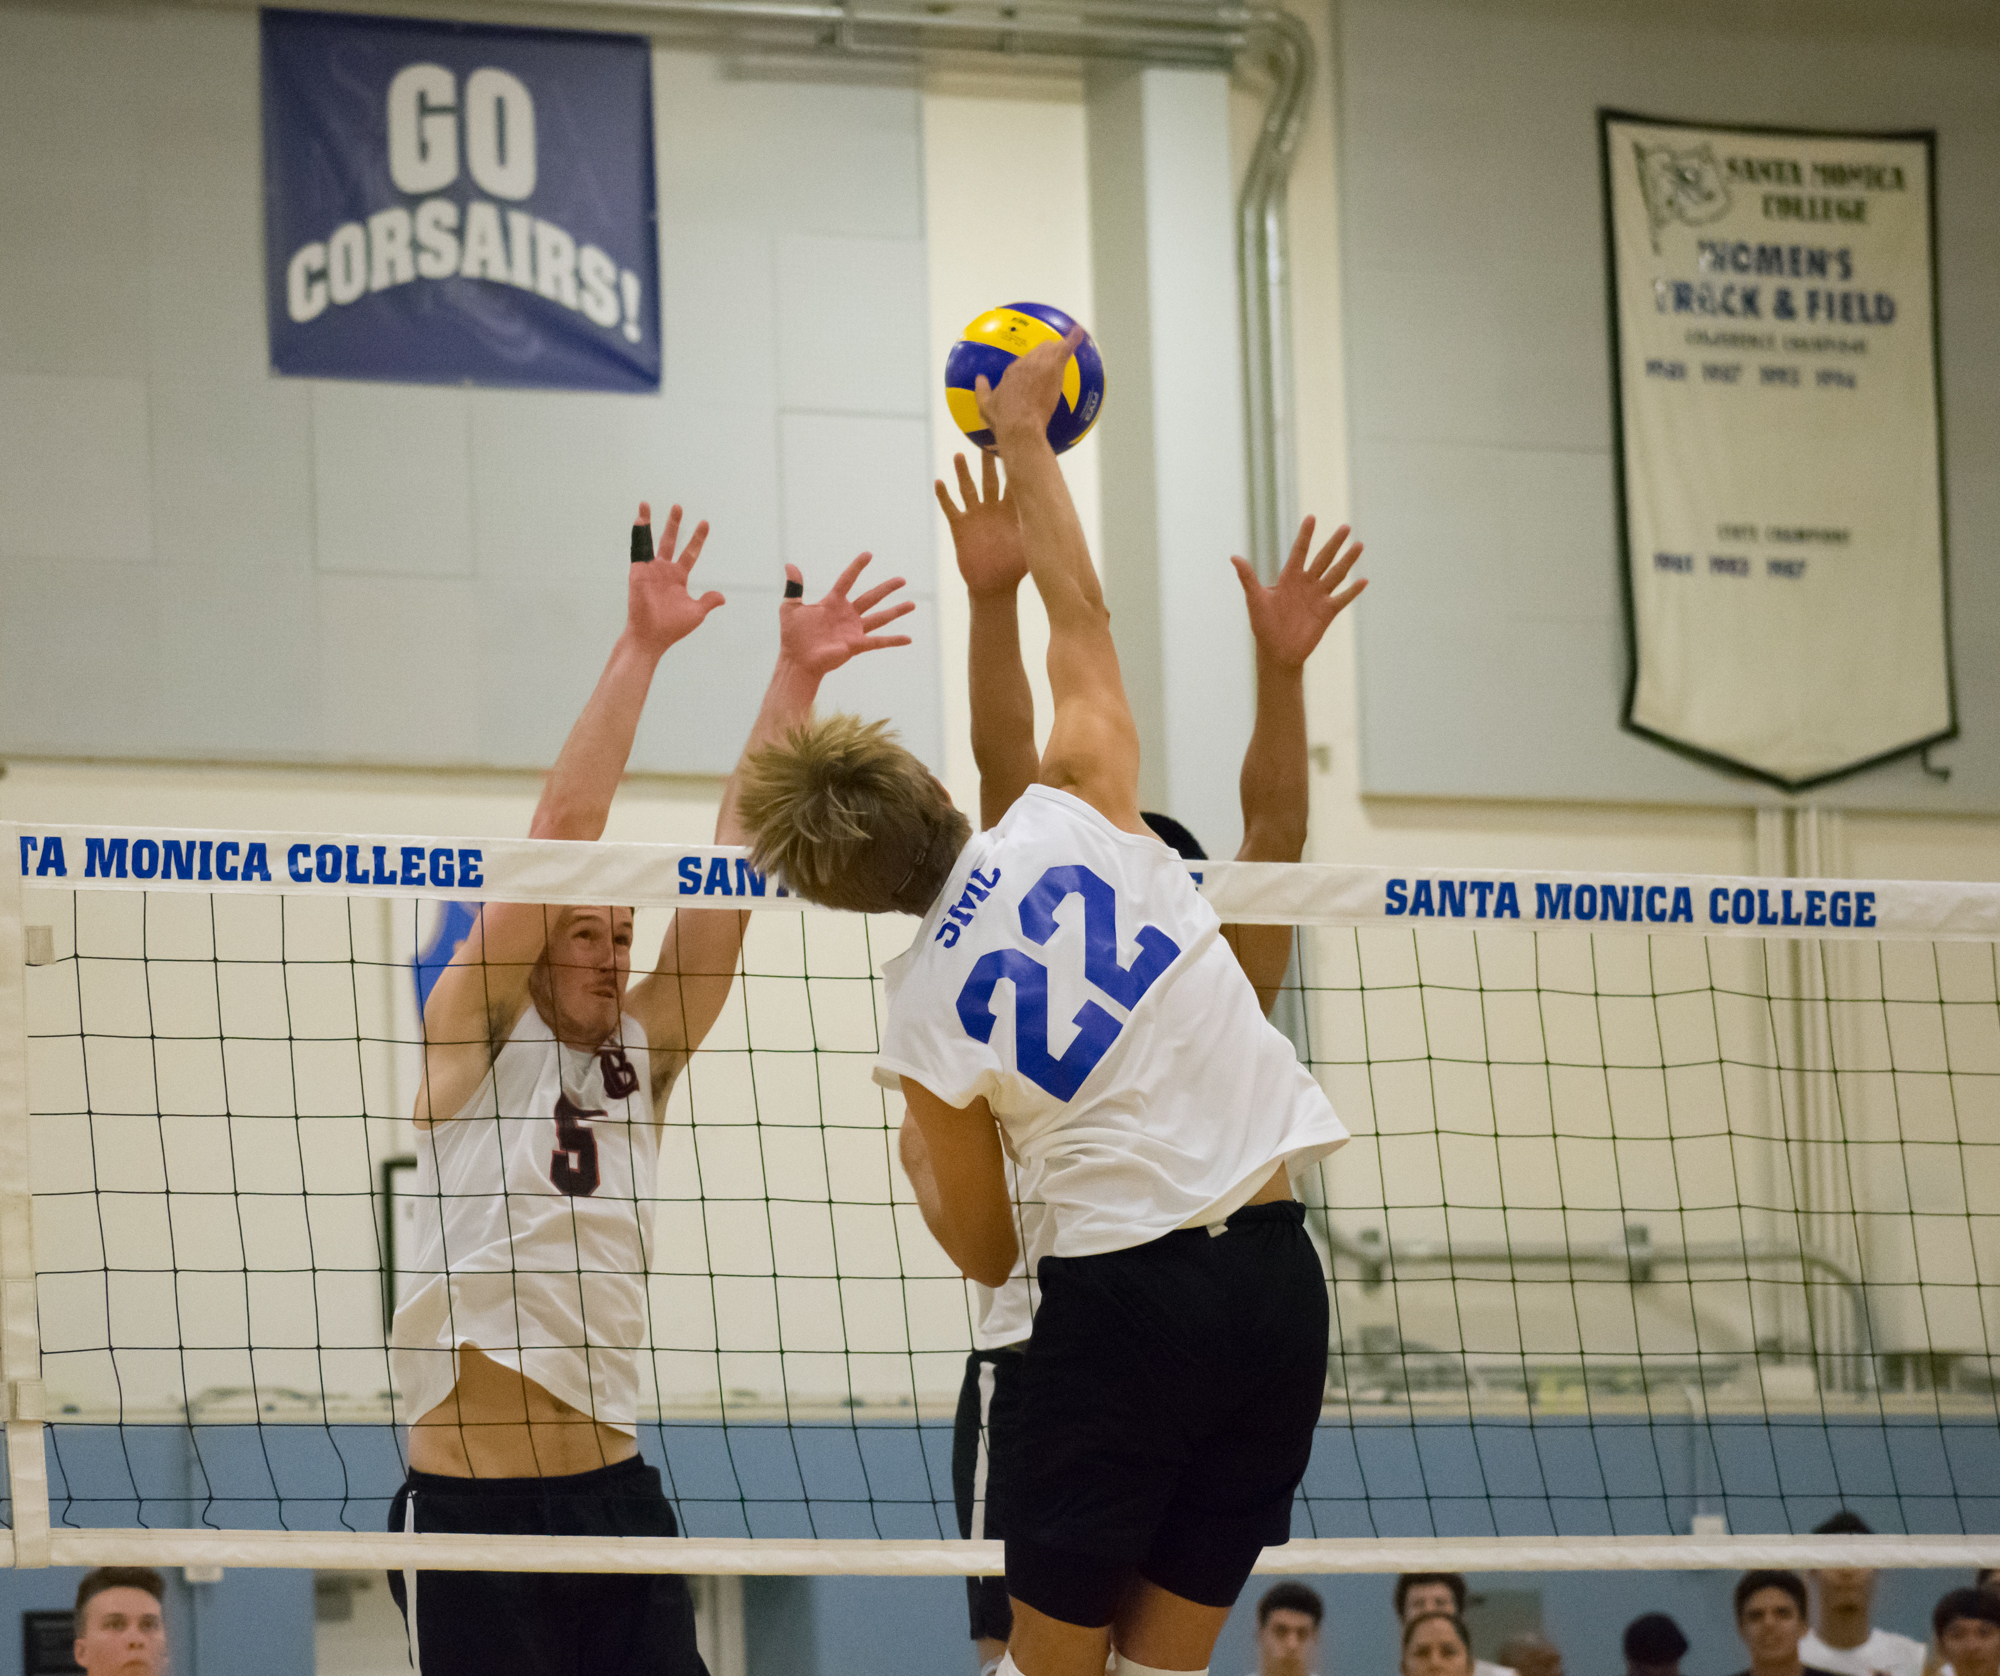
(1264, 283)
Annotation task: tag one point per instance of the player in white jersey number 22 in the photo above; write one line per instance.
(1287, 622)
(1069, 1000)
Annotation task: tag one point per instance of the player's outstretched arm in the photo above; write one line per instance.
(483, 991)
(965, 1199)
(1287, 621)
(986, 537)
(681, 998)
(1093, 747)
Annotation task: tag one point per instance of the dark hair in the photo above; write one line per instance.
(1453, 1580)
(1843, 1523)
(1986, 1576)
(1290, 1597)
(1754, 1582)
(1982, 1604)
(1175, 836)
(115, 1577)
(1457, 1627)
(1654, 1639)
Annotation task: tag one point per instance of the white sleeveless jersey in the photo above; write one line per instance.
(534, 1216)
(1071, 973)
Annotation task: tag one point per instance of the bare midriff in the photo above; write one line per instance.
(498, 1424)
(1278, 1187)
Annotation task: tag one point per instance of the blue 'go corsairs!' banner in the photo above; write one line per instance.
(458, 203)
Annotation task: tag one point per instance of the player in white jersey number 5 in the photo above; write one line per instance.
(515, 1348)
(1069, 999)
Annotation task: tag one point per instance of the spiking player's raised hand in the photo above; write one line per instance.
(986, 532)
(1025, 399)
(659, 606)
(820, 637)
(1289, 617)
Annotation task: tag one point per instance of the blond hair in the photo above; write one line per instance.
(849, 818)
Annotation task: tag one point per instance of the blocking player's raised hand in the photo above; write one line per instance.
(1025, 399)
(985, 531)
(820, 637)
(1289, 617)
(660, 607)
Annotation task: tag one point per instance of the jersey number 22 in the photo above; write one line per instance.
(1096, 1029)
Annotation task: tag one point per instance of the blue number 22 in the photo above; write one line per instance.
(1096, 1029)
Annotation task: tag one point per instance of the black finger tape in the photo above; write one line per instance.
(794, 590)
(642, 543)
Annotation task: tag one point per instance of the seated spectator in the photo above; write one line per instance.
(1436, 1644)
(1654, 1646)
(1843, 1639)
(1424, 1593)
(1987, 1577)
(120, 1627)
(1531, 1655)
(1771, 1618)
(1967, 1627)
(1288, 1620)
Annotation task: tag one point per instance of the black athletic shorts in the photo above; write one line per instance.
(984, 1442)
(545, 1623)
(1169, 1397)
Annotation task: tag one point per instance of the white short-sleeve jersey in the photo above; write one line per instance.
(534, 1217)
(1071, 974)
(1884, 1653)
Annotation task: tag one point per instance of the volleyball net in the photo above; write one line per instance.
(1673, 1207)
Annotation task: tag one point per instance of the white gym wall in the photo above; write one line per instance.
(204, 562)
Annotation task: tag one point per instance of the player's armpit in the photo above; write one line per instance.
(477, 1000)
(679, 1001)
(975, 1221)
(1093, 752)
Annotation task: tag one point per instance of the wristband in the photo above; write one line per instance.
(794, 590)
(642, 543)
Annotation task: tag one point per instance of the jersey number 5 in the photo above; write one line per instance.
(1096, 1029)
(573, 1164)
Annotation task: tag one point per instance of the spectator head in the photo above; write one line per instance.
(1532, 1655)
(1987, 1578)
(1967, 1626)
(120, 1629)
(1654, 1646)
(1436, 1644)
(1419, 1592)
(1288, 1620)
(1848, 1589)
(1771, 1617)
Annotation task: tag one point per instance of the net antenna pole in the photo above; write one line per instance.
(1838, 1333)
(20, 1331)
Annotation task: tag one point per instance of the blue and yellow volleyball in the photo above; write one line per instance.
(992, 341)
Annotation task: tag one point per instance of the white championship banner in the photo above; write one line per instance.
(1775, 355)
(71, 858)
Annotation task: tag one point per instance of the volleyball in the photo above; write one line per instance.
(995, 339)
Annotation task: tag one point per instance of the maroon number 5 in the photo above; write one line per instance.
(573, 1164)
